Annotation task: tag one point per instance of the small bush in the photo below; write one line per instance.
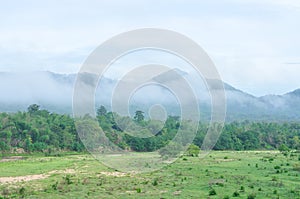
(193, 150)
(68, 180)
(277, 167)
(235, 194)
(138, 190)
(242, 188)
(212, 192)
(22, 191)
(155, 183)
(54, 186)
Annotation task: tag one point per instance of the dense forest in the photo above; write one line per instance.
(39, 130)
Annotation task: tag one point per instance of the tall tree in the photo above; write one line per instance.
(101, 111)
(33, 108)
(139, 116)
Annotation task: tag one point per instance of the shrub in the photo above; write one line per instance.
(155, 183)
(212, 192)
(67, 179)
(235, 194)
(242, 188)
(277, 167)
(22, 191)
(193, 150)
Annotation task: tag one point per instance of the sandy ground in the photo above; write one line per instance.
(23, 178)
(4, 180)
(115, 174)
(13, 158)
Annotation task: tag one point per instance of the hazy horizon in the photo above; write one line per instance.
(254, 44)
(113, 78)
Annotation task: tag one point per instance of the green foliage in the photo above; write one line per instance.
(139, 116)
(212, 192)
(193, 150)
(138, 190)
(34, 108)
(22, 191)
(101, 111)
(40, 131)
(155, 183)
(284, 149)
(242, 189)
(235, 194)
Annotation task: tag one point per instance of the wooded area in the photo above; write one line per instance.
(39, 130)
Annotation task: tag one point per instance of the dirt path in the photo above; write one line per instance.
(23, 178)
(4, 180)
(12, 158)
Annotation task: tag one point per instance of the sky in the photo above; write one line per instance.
(254, 44)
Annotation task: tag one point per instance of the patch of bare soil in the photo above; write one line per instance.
(114, 174)
(12, 158)
(27, 178)
(67, 171)
(23, 178)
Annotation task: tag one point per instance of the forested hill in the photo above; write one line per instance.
(40, 130)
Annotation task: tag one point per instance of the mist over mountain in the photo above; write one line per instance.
(54, 92)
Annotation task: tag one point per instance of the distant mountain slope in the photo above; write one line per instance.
(54, 92)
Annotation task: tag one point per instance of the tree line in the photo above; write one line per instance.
(37, 130)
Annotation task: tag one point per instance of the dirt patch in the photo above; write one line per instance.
(67, 171)
(27, 178)
(216, 182)
(114, 155)
(23, 178)
(176, 193)
(12, 158)
(225, 160)
(114, 174)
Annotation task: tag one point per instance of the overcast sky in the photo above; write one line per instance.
(254, 43)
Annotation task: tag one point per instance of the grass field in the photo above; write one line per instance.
(248, 174)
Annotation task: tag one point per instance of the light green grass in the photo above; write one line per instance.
(189, 177)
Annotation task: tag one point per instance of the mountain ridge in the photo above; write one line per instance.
(54, 91)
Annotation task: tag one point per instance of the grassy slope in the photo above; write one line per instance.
(79, 176)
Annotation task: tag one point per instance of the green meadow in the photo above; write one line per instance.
(221, 174)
